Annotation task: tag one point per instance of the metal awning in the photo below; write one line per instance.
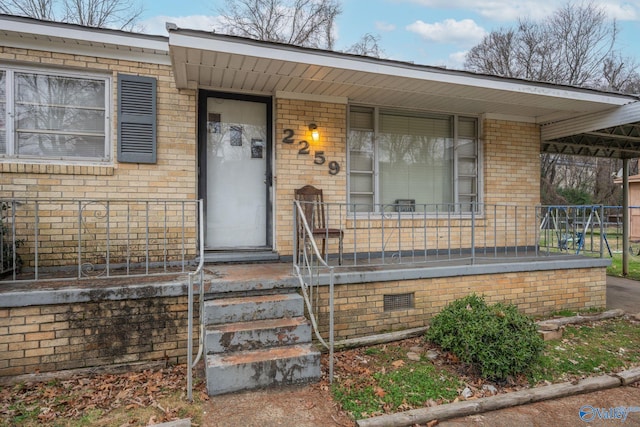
(614, 134)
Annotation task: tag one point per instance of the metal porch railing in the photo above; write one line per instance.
(414, 235)
(196, 278)
(62, 239)
(307, 264)
(583, 229)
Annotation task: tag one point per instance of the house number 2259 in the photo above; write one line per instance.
(318, 156)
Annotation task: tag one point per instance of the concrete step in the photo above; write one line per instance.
(247, 370)
(247, 309)
(260, 334)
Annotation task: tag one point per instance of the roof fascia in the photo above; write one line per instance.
(225, 44)
(110, 43)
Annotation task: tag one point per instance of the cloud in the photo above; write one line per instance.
(621, 12)
(456, 59)
(498, 10)
(465, 32)
(508, 10)
(384, 26)
(156, 24)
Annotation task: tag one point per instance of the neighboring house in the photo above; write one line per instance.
(634, 204)
(410, 158)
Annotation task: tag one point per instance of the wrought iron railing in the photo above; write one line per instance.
(583, 229)
(61, 239)
(308, 264)
(401, 234)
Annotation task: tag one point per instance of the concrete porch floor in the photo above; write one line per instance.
(270, 275)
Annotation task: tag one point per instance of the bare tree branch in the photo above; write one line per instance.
(307, 23)
(368, 45)
(119, 14)
(575, 46)
(40, 9)
(568, 47)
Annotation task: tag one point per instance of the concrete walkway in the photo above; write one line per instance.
(623, 294)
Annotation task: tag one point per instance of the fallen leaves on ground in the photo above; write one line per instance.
(76, 397)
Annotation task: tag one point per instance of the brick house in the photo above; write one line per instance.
(409, 158)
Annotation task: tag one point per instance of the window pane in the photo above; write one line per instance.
(59, 116)
(361, 118)
(3, 112)
(361, 203)
(361, 183)
(467, 166)
(415, 159)
(57, 90)
(361, 160)
(69, 120)
(467, 127)
(467, 147)
(58, 145)
(467, 185)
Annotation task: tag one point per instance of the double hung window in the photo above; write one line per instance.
(46, 115)
(407, 161)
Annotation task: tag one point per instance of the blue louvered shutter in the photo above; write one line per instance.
(136, 119)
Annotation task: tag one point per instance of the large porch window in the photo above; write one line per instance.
(53, 115)
(411, 161)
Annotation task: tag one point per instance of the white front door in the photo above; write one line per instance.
(236, 174)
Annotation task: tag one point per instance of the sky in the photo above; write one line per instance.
(428, 32)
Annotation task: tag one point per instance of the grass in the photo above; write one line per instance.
(392, 382)
(615, 269)
(587, 350)
(383, 379)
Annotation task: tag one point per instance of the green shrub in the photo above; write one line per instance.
(498, 340)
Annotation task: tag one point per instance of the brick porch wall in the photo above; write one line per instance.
(79, 335)
(359, 307)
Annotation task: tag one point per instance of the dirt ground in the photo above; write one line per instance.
(311, 406)
(300, 406)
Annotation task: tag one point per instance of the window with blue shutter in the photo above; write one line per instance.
(136, 119)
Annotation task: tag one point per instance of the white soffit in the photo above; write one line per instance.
(27, 33)
(238, 64)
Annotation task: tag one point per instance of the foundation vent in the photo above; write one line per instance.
(399, 302)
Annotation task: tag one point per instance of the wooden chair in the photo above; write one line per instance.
(314, 212)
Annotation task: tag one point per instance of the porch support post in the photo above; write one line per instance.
(625, 217)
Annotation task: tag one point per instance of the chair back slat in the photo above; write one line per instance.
(313, 206)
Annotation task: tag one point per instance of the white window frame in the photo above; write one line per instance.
(376, 184)
(10, 115)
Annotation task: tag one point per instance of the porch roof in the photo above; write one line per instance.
(573, 120)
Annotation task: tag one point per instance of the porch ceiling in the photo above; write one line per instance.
(222, 62)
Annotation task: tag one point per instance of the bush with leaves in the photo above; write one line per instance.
(496, 339)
